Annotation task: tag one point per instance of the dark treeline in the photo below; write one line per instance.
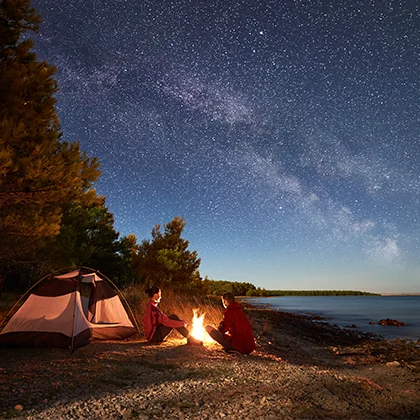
(218, 287)
(318, 293)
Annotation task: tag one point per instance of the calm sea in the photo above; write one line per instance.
(355, 310)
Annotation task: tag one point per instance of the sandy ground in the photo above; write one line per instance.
(301, 369)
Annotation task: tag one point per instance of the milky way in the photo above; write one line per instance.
(285, 132)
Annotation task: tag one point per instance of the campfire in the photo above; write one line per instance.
(198, 331)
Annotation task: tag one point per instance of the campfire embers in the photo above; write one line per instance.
(194, 342)
(197, 333)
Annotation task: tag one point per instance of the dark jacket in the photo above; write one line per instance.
(236, 327)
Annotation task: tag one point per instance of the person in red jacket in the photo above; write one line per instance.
(234, 332)
(157, 326)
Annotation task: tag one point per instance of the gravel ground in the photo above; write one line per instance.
(301, 370)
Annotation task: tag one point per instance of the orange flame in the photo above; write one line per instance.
(197, 326)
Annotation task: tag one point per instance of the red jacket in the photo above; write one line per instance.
(236, 327)
(153, 317)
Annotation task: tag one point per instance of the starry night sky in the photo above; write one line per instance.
(285, 132)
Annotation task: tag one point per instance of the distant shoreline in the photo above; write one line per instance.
(280, 293)
(328, 293)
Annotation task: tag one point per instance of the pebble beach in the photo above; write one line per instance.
(301, 369)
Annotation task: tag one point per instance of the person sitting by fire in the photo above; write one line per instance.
(234, 332)
(157, 326)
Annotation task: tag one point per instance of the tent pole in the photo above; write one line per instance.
(71, 348)
(74, 312)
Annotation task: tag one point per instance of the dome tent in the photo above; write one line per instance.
(56, 314)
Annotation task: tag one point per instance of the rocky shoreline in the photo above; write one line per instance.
(302, 369)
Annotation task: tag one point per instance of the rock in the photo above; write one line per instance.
(392, 322)
(393, 364)
(371, 323)
(127, 414)
(18, 407)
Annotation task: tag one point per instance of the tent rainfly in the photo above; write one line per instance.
(56, 315)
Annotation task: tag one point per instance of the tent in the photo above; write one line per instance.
(57, 315)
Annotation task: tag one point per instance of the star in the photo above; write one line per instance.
(279, 132)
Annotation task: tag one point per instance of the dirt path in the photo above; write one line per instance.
(301, 370)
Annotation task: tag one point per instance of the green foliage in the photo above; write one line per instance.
(165, 260)
(219, 287)
(87, 238)
(206, 286)
(86, 233)
(38, 172)
(127, 248)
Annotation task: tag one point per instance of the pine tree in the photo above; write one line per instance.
(38, 171)
(166, 261)
(88, 238)
(127, 249)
